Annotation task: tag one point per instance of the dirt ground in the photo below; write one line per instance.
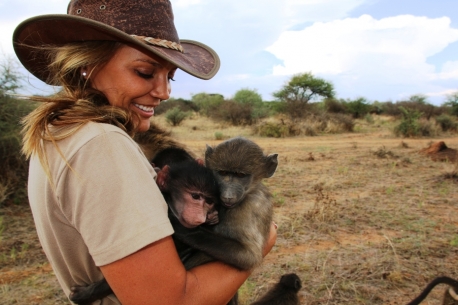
(363, 219)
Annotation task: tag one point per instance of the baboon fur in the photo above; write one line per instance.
(156, 139)
(450, 295)
(283, 293)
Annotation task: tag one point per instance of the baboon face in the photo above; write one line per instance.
(239, 165)
(233, 186)
(292, 281)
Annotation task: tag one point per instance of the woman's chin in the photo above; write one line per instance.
(144, 125)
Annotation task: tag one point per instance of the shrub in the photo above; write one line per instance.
(182, 104)
(332, 105)
(235, 113)
(13, 166)
(207, 103)
(409, 126)
(219, 135)
(273, 130)
(446, 122)
(357, 108)
(175, 116)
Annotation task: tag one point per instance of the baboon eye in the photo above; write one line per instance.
(240, 175)
(223, 173)
(196, 196)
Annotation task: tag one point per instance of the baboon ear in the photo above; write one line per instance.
(162, 178)
(271, 165)
(209, 151)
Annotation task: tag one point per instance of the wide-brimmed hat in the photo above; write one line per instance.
(147, 24)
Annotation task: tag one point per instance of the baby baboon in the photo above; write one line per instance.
(283, 293)
(245, 214)
(450, 295)
(192, 193)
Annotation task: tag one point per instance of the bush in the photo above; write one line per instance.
(311, 126)
(334, 106)
(235, 113)
(357, 108)
(447, 123)
(273, 130)
(409, 126)
(219, 135)
(13, 166)
(175, 116)
(182, 104)
(206, 102)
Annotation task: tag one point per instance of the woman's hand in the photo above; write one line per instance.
(271, 240)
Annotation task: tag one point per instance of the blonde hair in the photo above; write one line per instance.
(62, 114)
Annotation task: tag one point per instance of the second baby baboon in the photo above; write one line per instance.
(246, 211)
(450, 295)
(283, 293)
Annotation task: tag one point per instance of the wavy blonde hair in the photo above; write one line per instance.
(61, 115)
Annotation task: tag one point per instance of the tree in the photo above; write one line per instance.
(358, 107)
(9, 77)
(248, 97)
(452, 101)
(207, 102)
(301, 89)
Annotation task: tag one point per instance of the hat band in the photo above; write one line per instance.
(160, 42)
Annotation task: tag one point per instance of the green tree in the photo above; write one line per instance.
(301, 89)
(248, 97)
(452, 102)
(410, 125)
(175, 116)
(252, 102)
(358, 107)
(207, 102)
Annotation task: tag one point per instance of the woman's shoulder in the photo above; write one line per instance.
(92, 130)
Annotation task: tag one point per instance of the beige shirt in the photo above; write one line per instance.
(106, 207)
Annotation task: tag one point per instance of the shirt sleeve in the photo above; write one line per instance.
(111, 198)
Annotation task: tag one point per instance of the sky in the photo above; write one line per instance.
(384, 50)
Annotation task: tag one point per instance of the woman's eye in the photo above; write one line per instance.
(171, 78)
(144, 75)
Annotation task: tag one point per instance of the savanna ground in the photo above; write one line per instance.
(363, 219)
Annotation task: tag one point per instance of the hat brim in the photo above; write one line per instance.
(197, 58)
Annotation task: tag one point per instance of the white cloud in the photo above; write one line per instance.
(365, 45)
(449, 70)
(379, 59)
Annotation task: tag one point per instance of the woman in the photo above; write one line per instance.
(96, 207)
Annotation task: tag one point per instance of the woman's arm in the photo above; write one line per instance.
(155, 275)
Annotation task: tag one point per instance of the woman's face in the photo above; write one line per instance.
(134, 80)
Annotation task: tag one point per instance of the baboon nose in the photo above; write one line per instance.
(228, 201)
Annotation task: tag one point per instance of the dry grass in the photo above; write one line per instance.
(368, 221)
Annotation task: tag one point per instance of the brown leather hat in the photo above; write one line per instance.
(144, 23)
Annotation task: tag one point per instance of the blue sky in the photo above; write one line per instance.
(378, 49)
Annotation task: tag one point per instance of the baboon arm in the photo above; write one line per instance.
(221, 248)
(91, 293)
